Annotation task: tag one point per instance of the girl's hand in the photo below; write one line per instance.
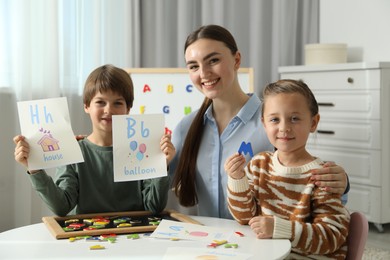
(167, 147)
(262, 226)
(234, 166)
(22, 150)
(331, 177)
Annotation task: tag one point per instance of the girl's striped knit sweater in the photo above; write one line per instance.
(315, 221)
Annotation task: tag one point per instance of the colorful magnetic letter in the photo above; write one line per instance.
(170, 88)
(189, 88)
(168, 131)
(187, 110)
(147, 88)
(246, 148)
(239, 234)
(96, 247)
(142, 110)
(166, 109)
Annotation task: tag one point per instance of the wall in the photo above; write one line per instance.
(20, 205)
(7, 128)
(363, 25)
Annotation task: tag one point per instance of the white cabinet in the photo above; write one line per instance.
(354, 129)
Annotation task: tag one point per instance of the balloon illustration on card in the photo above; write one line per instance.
(133, 145)
(140, 154)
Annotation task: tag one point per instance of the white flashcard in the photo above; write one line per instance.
(181, 230)
(193, 253)
(46, 125)
(136, 145)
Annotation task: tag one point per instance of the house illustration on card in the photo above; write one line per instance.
(48, 143)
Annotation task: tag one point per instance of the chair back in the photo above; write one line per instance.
(357, 236)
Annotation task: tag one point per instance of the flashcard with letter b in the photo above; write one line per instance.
(136, 144)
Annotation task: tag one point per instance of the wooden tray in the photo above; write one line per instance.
(55, 224)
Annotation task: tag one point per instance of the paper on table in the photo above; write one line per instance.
(188, 253)
(182, 230)
(46, 125)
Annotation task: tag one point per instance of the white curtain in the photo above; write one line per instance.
(48, 47)
(269, 34)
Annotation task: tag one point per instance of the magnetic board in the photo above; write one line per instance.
(87, 224)
(171, 92)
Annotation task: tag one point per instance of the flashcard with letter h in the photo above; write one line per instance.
(46, 126)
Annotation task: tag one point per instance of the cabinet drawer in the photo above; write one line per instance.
(338, 80)
(349, 105)
(362, 166)
(347, 134)
(354, 128)
(366, 200)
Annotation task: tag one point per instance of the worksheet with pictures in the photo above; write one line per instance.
(180, 253)
(136, 145)
(173, 229)
(45, 123)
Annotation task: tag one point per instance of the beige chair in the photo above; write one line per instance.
(357, 236)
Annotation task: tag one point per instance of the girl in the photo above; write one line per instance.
(274, 193)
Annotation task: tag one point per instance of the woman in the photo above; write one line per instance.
(228, 121)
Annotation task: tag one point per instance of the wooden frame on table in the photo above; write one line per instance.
(53, 223)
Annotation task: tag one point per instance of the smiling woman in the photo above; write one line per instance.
(227, 117)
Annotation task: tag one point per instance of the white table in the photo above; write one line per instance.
(35, 241)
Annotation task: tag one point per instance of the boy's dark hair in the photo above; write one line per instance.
(109, 78)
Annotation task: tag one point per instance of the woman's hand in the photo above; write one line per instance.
(262, 226)
(331, 177)
(234, 166)
(167, 147)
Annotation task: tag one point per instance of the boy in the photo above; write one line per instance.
(88, 187)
